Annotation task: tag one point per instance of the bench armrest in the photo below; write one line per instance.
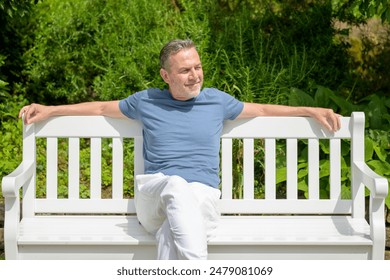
(378, 187)
(11, 185)
(15, 180)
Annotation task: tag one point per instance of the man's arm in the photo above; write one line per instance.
(36, 112)
(326, 117)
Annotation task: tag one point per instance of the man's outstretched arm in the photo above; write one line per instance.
(37, 112)
(326, 117)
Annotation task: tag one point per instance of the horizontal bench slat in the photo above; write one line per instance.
(90, 230)
(292, 230)
(88, 126)
(226, 206)
(282, 206)
(107, 230)
(88, 206)
(292, 127)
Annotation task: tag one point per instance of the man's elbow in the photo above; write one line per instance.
(252, 110)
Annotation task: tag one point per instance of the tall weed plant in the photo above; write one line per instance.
(100, 50)
(87, 50)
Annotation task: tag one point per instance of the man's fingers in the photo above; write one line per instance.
(338, 121)
(23, 111)
(334, 122)
(29, 112)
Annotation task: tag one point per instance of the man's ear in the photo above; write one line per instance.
(164, 75)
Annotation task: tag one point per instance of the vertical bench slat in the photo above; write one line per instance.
(117, 168)
(226, 159)
(335, 168)
(96, 168)
(357, 155)
(51, 167)
(74, 168)
(138, 156)
(314, 169)
(29, 189)
(292, 168)
(249, 169)
(270, 168)
(138, 159)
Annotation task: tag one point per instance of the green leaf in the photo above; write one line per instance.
(300, 98)
(380, 167)
(346, 108)
(387, 201)
(302, 186)
(281, 175)
(376, 111)
(345, 147)
(324, 145)
(302, 170)
(346, 192)
(321, 98)
(380, 152)
(368, 149)
(324, 168)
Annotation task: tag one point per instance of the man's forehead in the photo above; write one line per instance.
(185, 57)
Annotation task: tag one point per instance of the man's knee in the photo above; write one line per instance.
(175, 186)
(178, 192)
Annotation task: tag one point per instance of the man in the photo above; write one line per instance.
(176, 197)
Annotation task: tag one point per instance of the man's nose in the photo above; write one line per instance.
(193, 74)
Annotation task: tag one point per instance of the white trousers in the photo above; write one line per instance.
(182, 215)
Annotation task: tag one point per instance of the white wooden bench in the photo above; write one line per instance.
(269, 227)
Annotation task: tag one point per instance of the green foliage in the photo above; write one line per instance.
(264, 49)
(10, 130)
(363, 9)
(377, 141)
(85, 168)
(99, 50)
(103, 50)
(14, 17)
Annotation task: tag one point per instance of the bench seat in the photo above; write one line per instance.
(40, 235)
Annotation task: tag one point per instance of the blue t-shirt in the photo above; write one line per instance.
(182, 137)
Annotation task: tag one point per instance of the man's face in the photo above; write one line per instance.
(185, 74)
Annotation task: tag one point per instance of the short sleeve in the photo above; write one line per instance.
(129, 105)
(232, 106)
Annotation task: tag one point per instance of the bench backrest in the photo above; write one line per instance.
(261, 140)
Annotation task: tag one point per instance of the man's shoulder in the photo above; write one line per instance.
(153, 92)
(214, 93)
(150, 93)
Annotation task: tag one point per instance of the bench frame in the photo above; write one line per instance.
(269, 228)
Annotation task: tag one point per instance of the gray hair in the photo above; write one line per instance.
(173, 47)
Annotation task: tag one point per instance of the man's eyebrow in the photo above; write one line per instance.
(189, 67)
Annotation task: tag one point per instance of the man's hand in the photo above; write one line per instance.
(327, 118)
(34, 113)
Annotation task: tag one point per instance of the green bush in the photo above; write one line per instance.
(377, 140)
(99, 50)
(11, 129)
(89, 50)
